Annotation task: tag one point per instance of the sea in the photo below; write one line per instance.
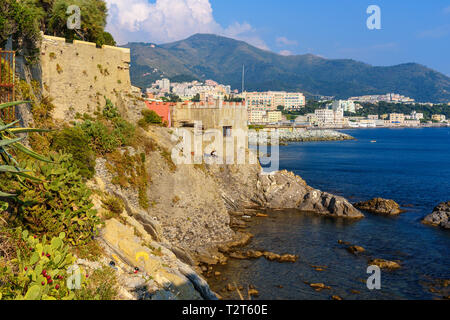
(408, 165)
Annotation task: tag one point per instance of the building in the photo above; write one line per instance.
(294, 100)
(256, 116)
(329, 117)
(312, 118)
(396, 118)
(164, 85)
(389, 97)
(416, 116)
(162, 109)
(272, 99)
(372, 117)
(274, 116)
(346, 105)
(438, 117)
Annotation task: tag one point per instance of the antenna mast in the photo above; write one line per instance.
(243, 78)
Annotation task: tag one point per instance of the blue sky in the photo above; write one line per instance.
(411, 31)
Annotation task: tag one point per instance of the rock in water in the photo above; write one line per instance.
(440, 216)
(380, 206)
(329, 205)
(385, 264)
(356, 249)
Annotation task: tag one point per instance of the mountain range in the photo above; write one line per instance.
(207, 56)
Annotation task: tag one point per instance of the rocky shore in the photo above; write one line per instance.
(440, 217)
(299, 135)
(195, 218)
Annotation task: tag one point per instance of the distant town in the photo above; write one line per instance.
(280, 108)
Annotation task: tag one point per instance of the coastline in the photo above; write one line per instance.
(270, 233)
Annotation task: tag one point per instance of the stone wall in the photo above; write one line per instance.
(212, 116)
(77, 75)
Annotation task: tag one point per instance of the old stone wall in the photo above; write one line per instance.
(78, 75)
(212, 116)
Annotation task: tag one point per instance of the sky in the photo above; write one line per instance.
(411, 31)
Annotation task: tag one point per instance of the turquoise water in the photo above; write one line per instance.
(411, 166)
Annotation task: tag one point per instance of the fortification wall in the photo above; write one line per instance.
(77, 75)
(212, 116)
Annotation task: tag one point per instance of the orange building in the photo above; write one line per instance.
(162, 109)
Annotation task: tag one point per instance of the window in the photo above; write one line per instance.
(227, 131)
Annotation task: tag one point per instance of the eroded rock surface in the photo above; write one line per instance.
(380, 206)
(440, 217)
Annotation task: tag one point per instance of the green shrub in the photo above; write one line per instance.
(60, 202)
(149, 117)
(73, 140)
(114, 206)
(123, 131)
(102, 285)
(108, 131)
(102, 139)
(110, 111)
(38, 270)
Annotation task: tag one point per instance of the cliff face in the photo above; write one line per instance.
(189, 210)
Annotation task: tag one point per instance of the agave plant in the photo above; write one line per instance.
(9, 140)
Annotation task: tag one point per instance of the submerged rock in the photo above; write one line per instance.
(319, 286)
(356, 249)
(440, 217)
(380, 206)
(385, 264)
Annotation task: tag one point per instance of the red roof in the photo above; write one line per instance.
(162, 109)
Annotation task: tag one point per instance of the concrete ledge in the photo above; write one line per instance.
(77, 42)
(46, 37)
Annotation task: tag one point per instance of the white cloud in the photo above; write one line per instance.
(436, 33)
(170, 20)
(283, 41)
(286, 53)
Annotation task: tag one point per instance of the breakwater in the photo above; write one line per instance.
(296, 135)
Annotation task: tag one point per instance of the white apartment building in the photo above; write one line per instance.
(346, 105)
(416, 116)
(329, 117)
(164, 84)
(272, 99)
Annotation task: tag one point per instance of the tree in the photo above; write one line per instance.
(24, 19)
(280, 108)
(93, 21)
(19, 21)
(196, 98)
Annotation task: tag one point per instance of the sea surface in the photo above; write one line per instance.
(410, 166)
